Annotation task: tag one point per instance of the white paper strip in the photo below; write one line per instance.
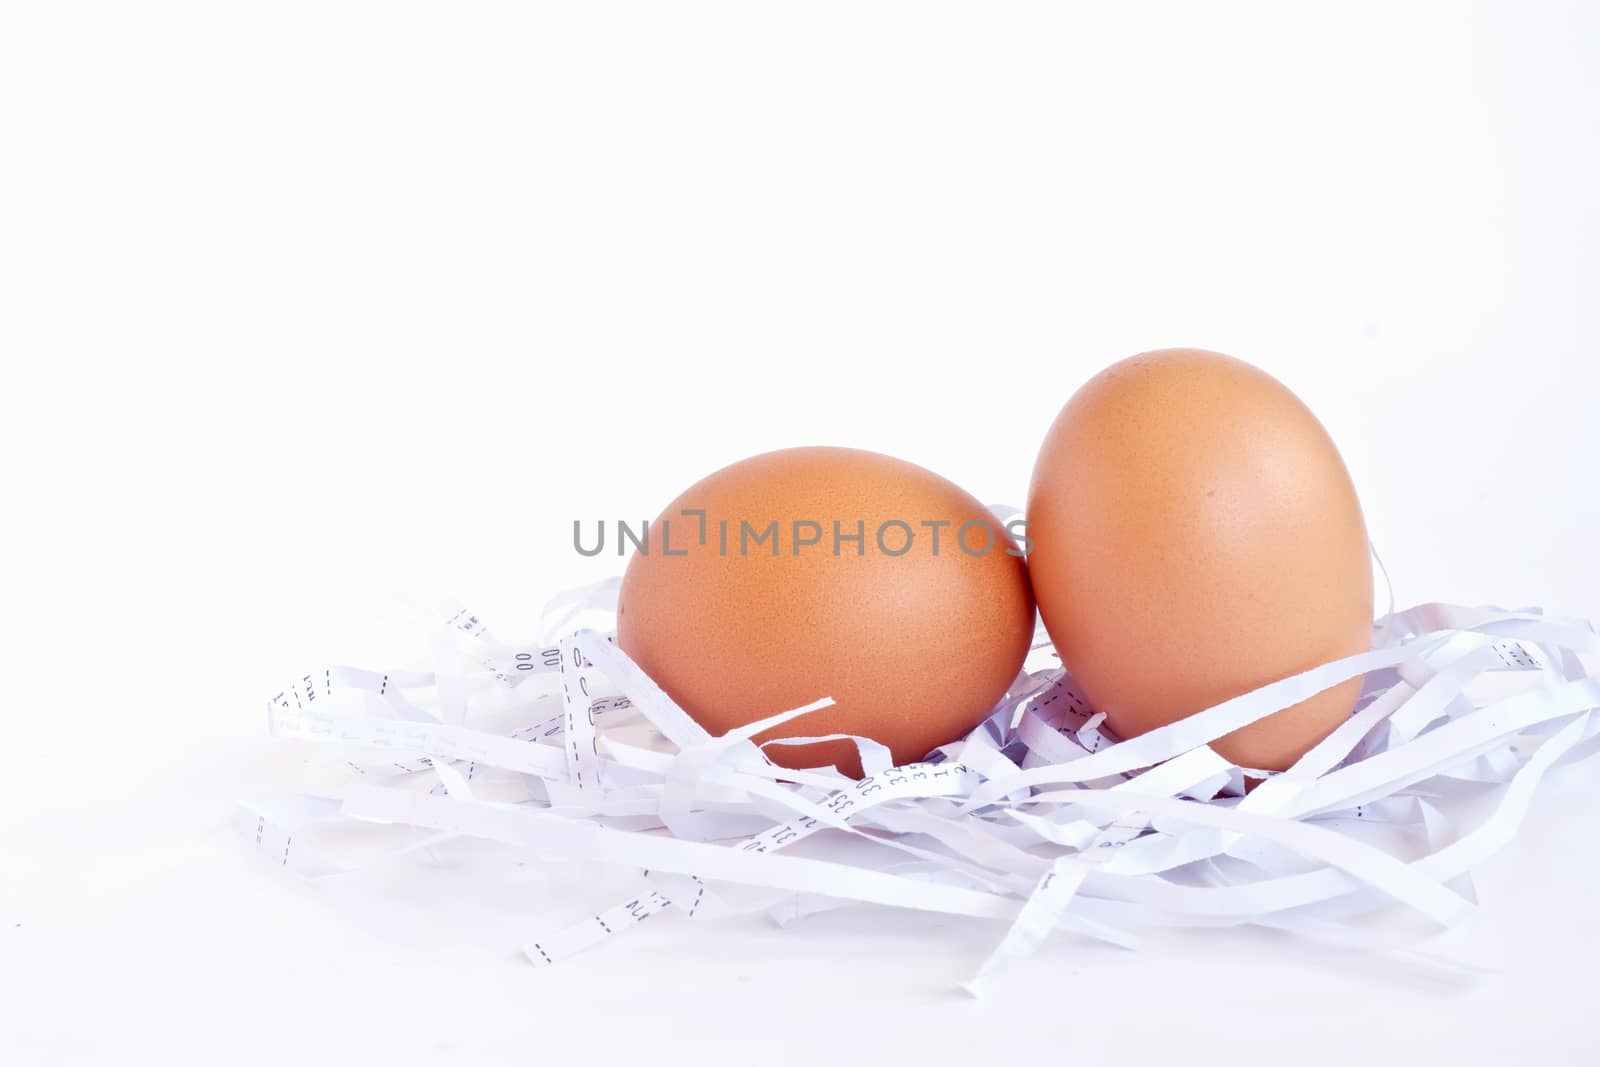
(1039, 818)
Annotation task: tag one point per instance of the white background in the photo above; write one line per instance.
(302, 304)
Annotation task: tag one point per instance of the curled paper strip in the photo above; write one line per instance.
(1039, 818)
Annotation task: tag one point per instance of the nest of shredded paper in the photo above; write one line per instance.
(1039, 817)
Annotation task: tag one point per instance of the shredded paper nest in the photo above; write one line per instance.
(1039, 818)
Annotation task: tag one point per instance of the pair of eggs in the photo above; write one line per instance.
(1191, 534)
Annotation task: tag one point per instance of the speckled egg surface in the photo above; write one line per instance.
(913, 631)
(1196, 535)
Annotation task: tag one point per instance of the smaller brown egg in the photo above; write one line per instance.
(873, 581)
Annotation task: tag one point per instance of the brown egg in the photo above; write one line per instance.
(1196, 535)
(915, 631)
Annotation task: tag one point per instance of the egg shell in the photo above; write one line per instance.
(1197, 535)
(915, 648)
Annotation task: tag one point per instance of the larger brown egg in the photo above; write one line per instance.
(829, 572)
(1196, 535)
